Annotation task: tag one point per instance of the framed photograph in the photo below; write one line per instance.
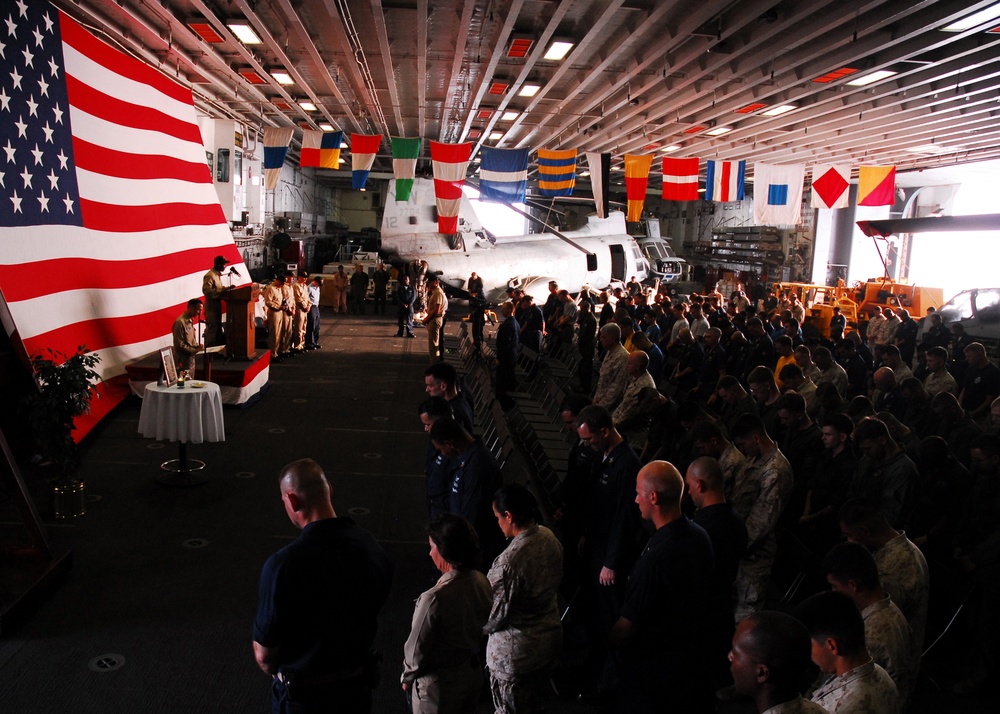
(169, 368)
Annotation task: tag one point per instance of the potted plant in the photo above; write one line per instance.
(64, 393)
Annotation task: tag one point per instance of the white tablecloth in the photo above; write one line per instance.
(190, 414)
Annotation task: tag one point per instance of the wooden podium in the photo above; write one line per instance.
(241, 329)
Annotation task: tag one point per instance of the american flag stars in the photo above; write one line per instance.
(34, 135)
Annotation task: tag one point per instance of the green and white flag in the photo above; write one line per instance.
(404, 165)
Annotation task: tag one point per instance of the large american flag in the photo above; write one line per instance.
(108, 216)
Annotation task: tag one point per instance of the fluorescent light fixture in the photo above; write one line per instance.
(779, 110)
(282, 77)
(528, 90)
(557, 50)
(362, 189)
(342, 160)
(244, 33)
(326, 127)
(496, 135)
(932, 149)
(509, 116)
(343, 144)
(584, 173)
(308, 106)
(672, 147)
(719, 130)
(870, 78)
(976, 18)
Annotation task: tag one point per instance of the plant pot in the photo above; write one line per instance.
(69, 500)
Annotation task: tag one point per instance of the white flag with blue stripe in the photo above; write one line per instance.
(503, 175)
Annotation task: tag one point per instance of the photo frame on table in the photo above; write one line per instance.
(169, 368)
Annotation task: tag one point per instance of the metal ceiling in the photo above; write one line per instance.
(641, 75)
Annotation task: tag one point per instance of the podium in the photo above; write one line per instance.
(241, 329)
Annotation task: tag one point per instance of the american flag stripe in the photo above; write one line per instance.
(76, 273)
(110, 233)
(151, 167)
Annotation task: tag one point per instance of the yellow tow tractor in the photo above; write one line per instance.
(819, 301)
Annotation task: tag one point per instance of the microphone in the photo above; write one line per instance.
(234, 271)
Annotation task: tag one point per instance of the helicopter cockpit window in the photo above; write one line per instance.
(988, 305)
(958, 308)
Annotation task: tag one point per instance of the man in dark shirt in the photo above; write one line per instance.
(475, 477)
(906, 337)
(980, 383)
(359, 286)
(441, 380)
(761, 346)
(381, 280)
(827, 486)
(728, 534)
(663, 654)
(586, 342)
(507, 346)
(802, 444)
(532, 324)
(885, 475)
(319, 602)
(436, 465)
(405, 295)
(857, 372)
(613, 534)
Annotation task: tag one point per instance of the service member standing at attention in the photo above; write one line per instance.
(437, 306)
(319, 602)
(300, 291)
(405, 295)
(442, 668)
(289, 304)
(213, 290)
(359, 286)
(381, 280)
(274, 301)
(312, 324)
(186, 344)
(663, 651)
(340, 282)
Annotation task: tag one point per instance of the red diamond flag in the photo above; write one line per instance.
(829, 185)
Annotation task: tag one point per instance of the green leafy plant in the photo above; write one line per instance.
(64, 393)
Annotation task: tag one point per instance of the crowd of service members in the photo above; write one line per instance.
(784, 445)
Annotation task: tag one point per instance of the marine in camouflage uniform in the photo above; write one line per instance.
(613, 375)
(890, 642)
(796, 706)
(760, 495)
(525, 632)
(902, 570)
(867, 689)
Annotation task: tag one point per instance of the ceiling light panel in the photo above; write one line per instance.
(750, 108)
(779, 110)
(871, 78)
(282, 77)
(326, 127)
(244, 33)
(509, 116)
(308, 106)
(695, 129)
(719, 131)
(668, 149)
(558, 50)
(528, 90)
(974, 20)
(499, 87)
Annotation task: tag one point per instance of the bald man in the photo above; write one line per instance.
(629, 420)
(663, 652)
(319, 602)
